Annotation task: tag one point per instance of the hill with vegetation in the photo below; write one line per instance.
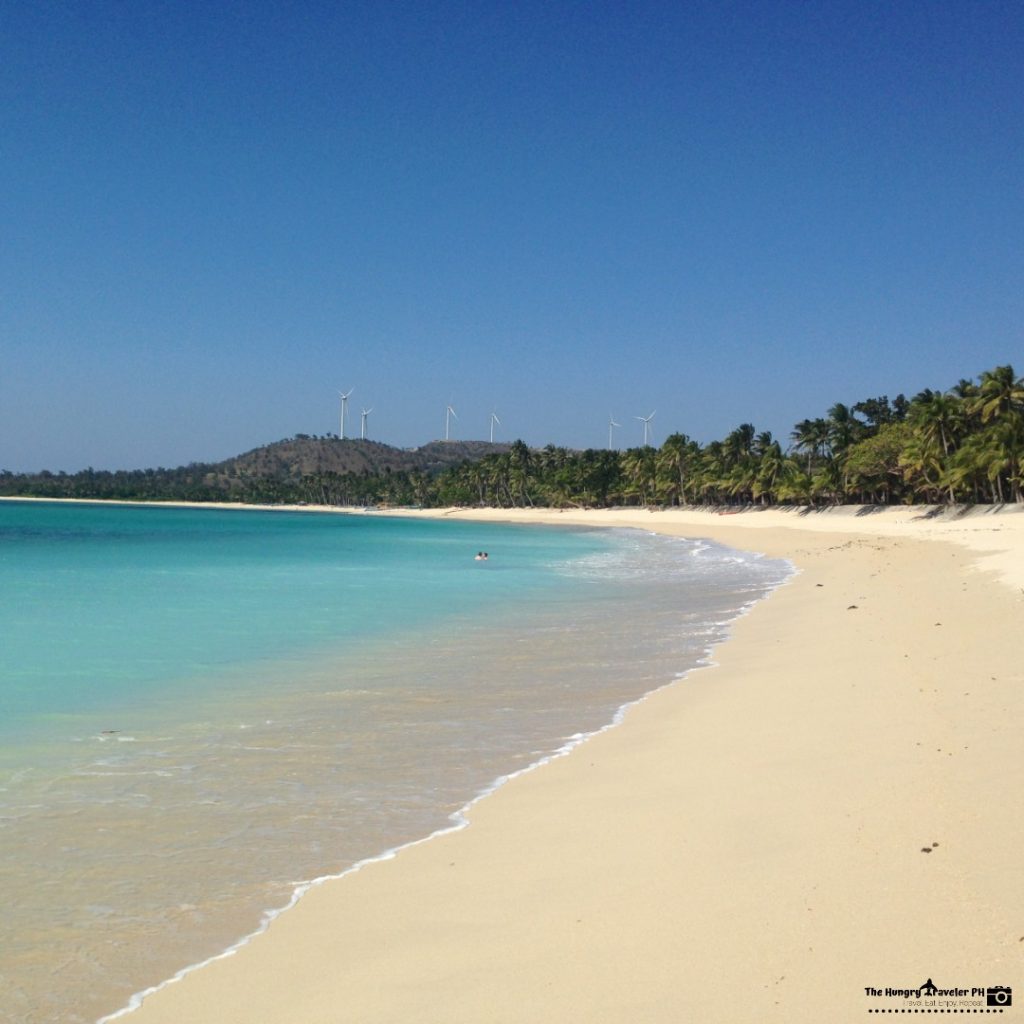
(301, 469)
(301, 456)
(962, 445)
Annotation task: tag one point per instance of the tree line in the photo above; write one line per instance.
(962, 445)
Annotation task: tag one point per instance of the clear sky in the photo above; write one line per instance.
(215, 215)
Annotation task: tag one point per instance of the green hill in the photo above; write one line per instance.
(298, 457)
(300, 469)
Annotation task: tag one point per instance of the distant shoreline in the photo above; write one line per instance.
(225, 506)
(969, 525)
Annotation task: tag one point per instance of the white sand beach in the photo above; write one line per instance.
(829, 808)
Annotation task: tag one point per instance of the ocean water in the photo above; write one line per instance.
(202, 711)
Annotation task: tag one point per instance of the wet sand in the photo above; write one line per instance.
(830, 807)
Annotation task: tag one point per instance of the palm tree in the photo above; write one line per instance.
(739, 462)
(980, 461)
(925, 469)
(843, 428)
(1000, 404)
(794, 485)
(771, 467)
(964, 388)
(763, 442)
(639, 471)
(519, 465)
(811, 436)
(1000, 393)
(740, 442)
(675, 463)
(939, 421)
(711, 473)
(596, 475)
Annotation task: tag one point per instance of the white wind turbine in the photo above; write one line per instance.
(494, 419)
(343, 395)
(646, 420)
(362, 425)
(611, 426)
(449, 412)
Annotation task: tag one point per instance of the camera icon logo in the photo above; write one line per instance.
(999, 995)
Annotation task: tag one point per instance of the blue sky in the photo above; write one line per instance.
(215, 215)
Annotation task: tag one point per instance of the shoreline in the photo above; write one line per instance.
(459, 820)
(397, 946)
(967, 525)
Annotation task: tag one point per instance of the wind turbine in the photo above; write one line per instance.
(344, 410)
(362, 425)
(449, 412)
(611, 426)
(646, 420)
(494, 419)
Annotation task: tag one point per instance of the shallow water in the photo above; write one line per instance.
(329, 688)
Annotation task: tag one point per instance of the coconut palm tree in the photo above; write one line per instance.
(1000, 394)
(771, 467)
(712, 473)
(676, 462)
(925, 469)
(520, 463)
(939, 421)
(740, 442)
(843, 428)
(999, 403)
(964, 388)
(811, 436)
(639, 470)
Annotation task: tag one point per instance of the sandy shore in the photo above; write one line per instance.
(833, 806)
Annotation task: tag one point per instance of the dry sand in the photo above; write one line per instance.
(834, 805)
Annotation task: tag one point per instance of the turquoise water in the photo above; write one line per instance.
(102, 604)
(202, 710)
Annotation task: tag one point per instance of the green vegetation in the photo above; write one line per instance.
(299, 470)
(961, 445)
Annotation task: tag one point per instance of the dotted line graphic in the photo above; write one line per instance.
(997, 1009)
